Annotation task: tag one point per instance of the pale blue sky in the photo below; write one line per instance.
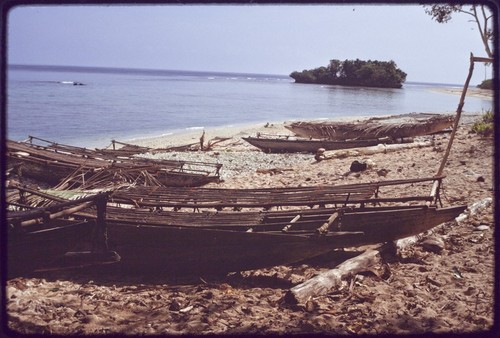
(267, 39)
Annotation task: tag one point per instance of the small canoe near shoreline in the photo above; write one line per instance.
(394, 127)
(287, 144)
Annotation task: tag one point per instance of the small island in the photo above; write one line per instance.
(381, 74)
(486, 84)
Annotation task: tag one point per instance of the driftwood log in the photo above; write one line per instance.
(370, 260)
(381, 148)
(474, 209)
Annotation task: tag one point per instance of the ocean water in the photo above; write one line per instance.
(125, 104)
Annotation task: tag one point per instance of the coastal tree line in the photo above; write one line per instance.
(383, 74)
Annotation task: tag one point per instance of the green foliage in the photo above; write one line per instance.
(484, 127)
(369, 73)
(486, 84)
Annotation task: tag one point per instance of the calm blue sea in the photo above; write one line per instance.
(124, 104)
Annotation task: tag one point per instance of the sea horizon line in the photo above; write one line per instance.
(159, 72)
(148, 71)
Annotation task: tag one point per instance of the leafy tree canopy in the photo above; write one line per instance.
(382, 74)
(481, 15)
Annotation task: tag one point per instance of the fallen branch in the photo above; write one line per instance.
(214, 141)
(325, 282)
(380, 148)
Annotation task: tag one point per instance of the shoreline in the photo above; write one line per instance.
(471, 92)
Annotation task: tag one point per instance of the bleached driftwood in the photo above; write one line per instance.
(214, 141)
(474, 209)
(380, 148)
(331, 279)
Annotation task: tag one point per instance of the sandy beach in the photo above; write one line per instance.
(471, 92)
(450, 291)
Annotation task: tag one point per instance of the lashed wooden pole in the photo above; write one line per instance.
(457, 119)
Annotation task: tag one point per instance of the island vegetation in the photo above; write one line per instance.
(486, 84)
(382, 74)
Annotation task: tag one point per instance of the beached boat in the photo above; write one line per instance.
(127, 149)
(290, 144)
(151, 239)
(81, 167)
(206, 243)
(394, 127)
(38, 236)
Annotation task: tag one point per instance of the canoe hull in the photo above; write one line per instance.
(217, 248)
(390, 225)
(183, 250)
(51, 173)
(27, 251)
(54, 173)
(277, 145)
(53, 166)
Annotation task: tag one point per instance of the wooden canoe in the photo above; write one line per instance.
(373, 128)
(173, 242)
(127, 149)
(280, 144)
(223, 242)
(58, 163)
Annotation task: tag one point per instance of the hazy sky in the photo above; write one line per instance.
(267, 39)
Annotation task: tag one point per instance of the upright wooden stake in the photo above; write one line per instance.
(457, 117)
(473, 59)
(436, 184)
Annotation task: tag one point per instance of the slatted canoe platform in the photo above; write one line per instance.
(266, 198)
